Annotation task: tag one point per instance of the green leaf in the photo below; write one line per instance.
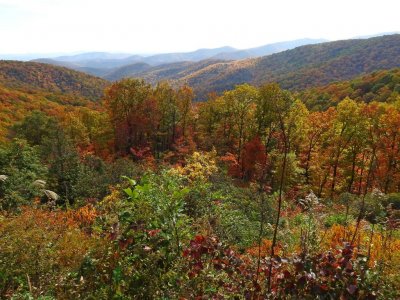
(129, 192)
(132, 182)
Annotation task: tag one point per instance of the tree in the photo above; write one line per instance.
(266, 111)
(35, 128)
(316, 125)
(390, 147)
(65, 167)
(240, 103)
(254, 159)
(91, 131)
(167, 104)
(21, 163)
(210, 122)
(345, 126)
(125, 101)
(185, 97)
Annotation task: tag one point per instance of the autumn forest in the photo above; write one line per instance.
(135, 189)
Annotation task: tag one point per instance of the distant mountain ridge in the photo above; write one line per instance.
(267, 49)
(375, 35)
(92, 56)
(296, 69)
(99, 63)
(106, 64)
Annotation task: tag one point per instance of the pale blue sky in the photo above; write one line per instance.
(154, 26)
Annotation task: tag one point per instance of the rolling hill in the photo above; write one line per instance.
(17, 104)
(296, 69)
(25, 76)
(126, 71)
(27, 86)
(154, 74)
(381, 86)
(319, 64)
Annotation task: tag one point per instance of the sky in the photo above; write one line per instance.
(159, 26)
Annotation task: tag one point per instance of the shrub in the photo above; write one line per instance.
(38, 250)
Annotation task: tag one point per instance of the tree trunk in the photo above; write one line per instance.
(353, 169)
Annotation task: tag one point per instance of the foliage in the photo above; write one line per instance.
(199, 166)
(25, 75)
(15, 104)
(149, 229)
(156, 197)
(22, 166)
(39, 250)
(297, 69)
(382, 86)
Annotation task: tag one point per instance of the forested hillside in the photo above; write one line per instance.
(248, 195)
(25, 87)
(166, 72)
(296, 69)
(303, 67)
(38, 76)
(154, 150)
(381, 86)
(14, 105)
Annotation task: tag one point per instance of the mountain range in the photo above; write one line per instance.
(321, 75)
(296, 69)
(107, 64)
(299, 67)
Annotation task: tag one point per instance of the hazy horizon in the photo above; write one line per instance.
(59, 27)
(59, 54)
(31, 56)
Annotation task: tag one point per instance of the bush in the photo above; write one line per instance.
(38, 250)
(338, 219)
(21, 164)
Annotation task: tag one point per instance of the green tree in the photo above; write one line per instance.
(35, 128)
(21, 163)
(240, 102)
(169, 115)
